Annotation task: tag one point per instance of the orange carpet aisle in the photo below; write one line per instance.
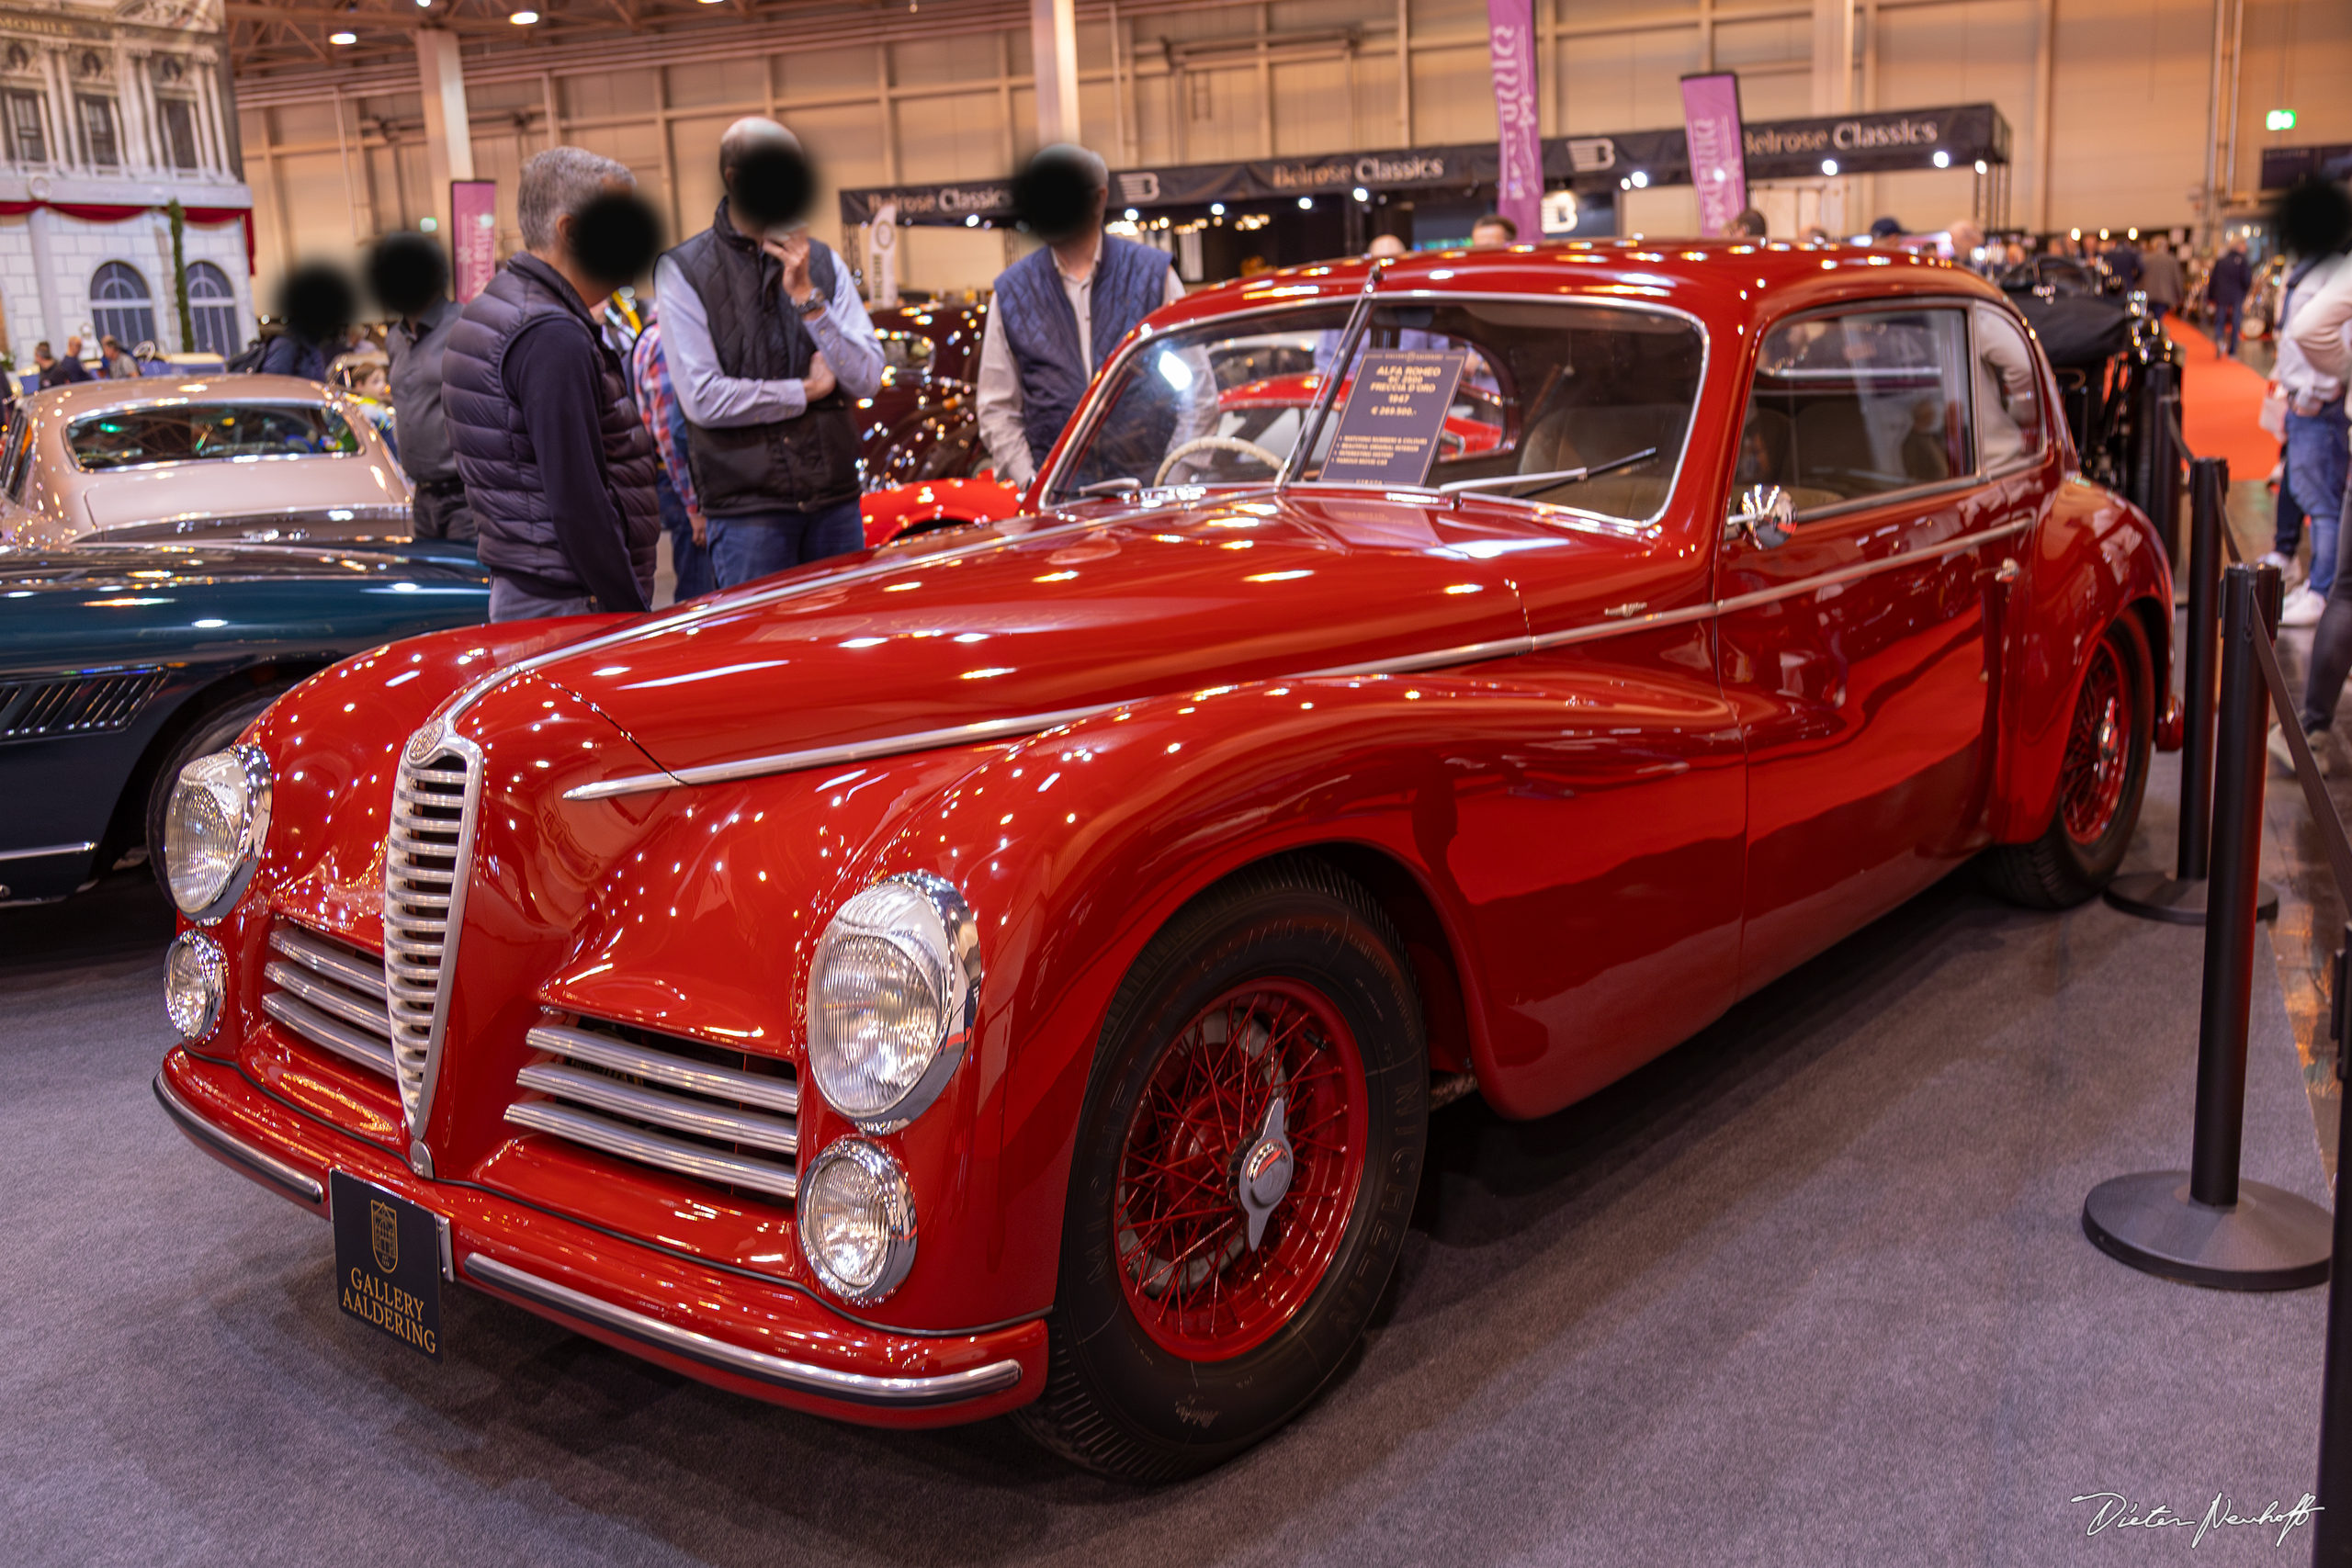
(2219, 402)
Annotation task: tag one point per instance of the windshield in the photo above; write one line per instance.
(195, 433)
(1546, 386)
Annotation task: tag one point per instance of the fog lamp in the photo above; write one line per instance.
(892, 992)
(195, 979)
(857, 1221)
(213, 833)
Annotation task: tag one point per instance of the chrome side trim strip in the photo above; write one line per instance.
(1469, 653)
(826, 756)
(598, 1092)
(47, 850)
(268, 1168)
(629, 1143)
(799, 1377)
(724, 1083)
(370, 1053)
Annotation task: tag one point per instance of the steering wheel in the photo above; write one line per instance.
(1217, 444)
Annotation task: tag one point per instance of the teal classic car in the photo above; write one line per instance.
(121, 662)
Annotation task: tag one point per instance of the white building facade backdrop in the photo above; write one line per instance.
(110, 111)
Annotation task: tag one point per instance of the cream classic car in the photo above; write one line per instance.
(211, 457)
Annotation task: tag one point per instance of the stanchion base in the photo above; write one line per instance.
(2152, 896)
(2271, 1241)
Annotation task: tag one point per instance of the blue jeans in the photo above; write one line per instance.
(753, 543)
(2316, 461)
(509, 601)
(690, 561)
(2228, 317)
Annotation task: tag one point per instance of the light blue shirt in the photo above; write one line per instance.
(708, 396)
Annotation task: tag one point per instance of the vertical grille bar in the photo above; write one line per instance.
(428, 854)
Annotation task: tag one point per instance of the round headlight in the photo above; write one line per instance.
(212, 834)
(857, 1221)
(892, 992)
(195, 979)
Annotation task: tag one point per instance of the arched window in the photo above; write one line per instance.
(121, 305)
(212, 309)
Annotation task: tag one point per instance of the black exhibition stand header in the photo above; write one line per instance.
(1785, 149)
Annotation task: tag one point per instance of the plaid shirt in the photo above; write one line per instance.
(657, 405)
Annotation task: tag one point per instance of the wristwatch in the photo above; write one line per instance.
(812, 307)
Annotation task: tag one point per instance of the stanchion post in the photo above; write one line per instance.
(2206, 1225)
(2249, 610)
(2208, 483)
(2332, 1531)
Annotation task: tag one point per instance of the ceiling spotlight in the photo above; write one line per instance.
(1306, 204)
(343, 38)
(524, 18)
(1624, 184)
(1132, 215)
(1217, 210)
(1641, 180)
(1980, 165)
(2131, 233)
(2278, 119)
(1830, 166)
(1943, 159)
(428, 224)
(1361, 195)
(972, 221)
(2073, 234)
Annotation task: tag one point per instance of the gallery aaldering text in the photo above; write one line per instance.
(390, 1308)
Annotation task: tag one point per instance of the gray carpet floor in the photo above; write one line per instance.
(1810, 1290)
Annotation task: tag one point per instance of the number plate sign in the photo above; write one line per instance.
(387, 1262)
(1395, 415)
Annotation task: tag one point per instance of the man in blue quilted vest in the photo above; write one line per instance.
(1058, 312)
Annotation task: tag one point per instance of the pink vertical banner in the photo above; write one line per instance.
(1519, 179)
(473, 245)
(1718, 154)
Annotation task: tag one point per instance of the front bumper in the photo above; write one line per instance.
(751, 1335)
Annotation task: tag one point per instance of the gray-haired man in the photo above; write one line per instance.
(557, 467)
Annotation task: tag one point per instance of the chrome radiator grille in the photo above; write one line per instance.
(671, 1104)
(427, 855)
(330, 995)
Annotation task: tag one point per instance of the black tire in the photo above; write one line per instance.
(214, 731)
(2059, 870)
(1117, 1400)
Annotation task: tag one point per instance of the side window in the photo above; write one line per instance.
(2009, 392)
(1851, 406)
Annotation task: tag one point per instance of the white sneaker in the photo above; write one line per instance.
(2303, 609)
(2288, 570)
(2283, 756)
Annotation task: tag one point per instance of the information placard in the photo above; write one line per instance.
(1396, 414)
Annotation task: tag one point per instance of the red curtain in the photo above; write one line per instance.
(109, 212)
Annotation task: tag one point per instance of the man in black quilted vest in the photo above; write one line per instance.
(1058, 312)
(769, 347)
(557, 467)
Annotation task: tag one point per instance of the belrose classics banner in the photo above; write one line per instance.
(1519, 166)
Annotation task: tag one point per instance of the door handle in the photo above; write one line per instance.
(2009, 571)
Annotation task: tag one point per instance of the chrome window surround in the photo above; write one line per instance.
(419, 949)
(959, 1008)
(1097, 404)
(251, 835)
(898, 1247)
(797, 1376)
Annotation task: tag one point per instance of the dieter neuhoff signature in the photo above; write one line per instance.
(2115, 1511)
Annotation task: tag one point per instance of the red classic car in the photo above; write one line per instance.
(1010, 971)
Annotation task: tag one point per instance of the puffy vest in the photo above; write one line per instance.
(494, 449)
(1130, 283)
(794, 464)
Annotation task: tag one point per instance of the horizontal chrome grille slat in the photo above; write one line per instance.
(336, 1002)
(600, 1092)
(368, 1050)
(313, 953)
(721, 1083)
(629, 1143)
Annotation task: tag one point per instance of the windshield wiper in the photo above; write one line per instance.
(1557, 476)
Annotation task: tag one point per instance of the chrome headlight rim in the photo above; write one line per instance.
(253, 832)
(212, 966)
(898, 1247)
(959, 1008)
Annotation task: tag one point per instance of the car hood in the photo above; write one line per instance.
(1045, 616)
(291, 491)
(79, 568)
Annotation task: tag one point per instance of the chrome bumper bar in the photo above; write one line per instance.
(274, 1171)
(855, 1388)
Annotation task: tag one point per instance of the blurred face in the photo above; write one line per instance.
(1489, 236)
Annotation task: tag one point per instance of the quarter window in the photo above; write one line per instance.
(1848, 407)
(2008, 391)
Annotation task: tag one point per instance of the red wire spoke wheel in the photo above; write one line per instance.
(2098, 760)
(1191, 1277)
(1242, 1175)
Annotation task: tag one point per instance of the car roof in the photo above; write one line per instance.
(1722, 282)
(95, 397)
